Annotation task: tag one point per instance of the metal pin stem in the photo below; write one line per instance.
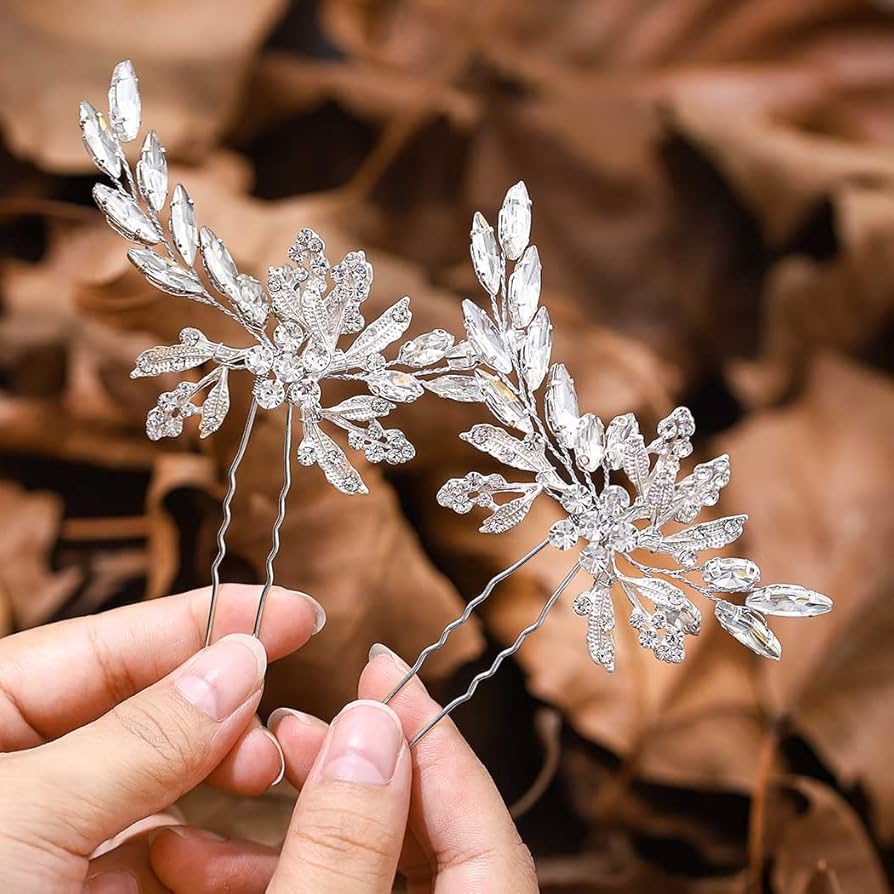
(510, 650)
(283, 493)
(458, 622)
(227, 518)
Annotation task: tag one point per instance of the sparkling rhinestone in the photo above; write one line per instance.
(563, 534)
(269, 393)
(582, 604)
(576, 499)
(287, 367)
(173, 427)
(730, 575)
(375, 452)
(259, 360)
(315, 359)
(190, 336)
(614, 499)
(288, 336)
(374, 363)
(167, 401)
(306, 455)
(593, 558)
(622, 537)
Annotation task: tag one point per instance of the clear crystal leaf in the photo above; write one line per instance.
(124, 101)
(619, 431)
(509, 514)
(100, 142)
(749, 628)
(124, 215)
(526, 455)
(524, 288)
(332, 460)
(461, 388)
(708, 535)
(183, 224)
(216, 406)
(152, 172)
(600, 631)
(485, 254)
(380, 333)
(392, 384)
(788, 601)
(171, 358)
(360, 408)
(731, 575)
(219, 263)
(562, 412)
(536, 349)
(485, 338)
(426, 349)
(589, 442)
(514, 223)
(462, 356)
(164, 274)
(503, 402)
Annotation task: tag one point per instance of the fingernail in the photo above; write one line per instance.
(282, 757)
(365, 741)
(276, 717)
(220, 678)
(378, 649)
(112, 883)
(192, 832)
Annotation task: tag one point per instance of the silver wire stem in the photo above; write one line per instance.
(510, 650)
(458, 622)
(227, 518)
(283, 493)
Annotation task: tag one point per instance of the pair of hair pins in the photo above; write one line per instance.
(297, 324)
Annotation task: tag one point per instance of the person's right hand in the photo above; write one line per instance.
(368, 807)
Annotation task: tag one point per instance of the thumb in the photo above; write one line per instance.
(147, 751)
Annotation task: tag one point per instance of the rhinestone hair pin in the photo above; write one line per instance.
(575, 459)
(296, 323)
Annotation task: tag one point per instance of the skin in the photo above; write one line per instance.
(106, 721)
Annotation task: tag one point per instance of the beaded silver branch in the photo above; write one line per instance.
(574, 459)
(295, 323)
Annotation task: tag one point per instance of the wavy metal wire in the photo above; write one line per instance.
(453, 625)
(283, 494)
(506, 653)
(227, 518)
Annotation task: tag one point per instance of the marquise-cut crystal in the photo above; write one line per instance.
(561, 405)
(426, 349)
(731, 575)
(124, 215)
(749, 628)
(99, 141)
(485, 337)
(536, 349)
(461, 356)
(462, 388)
(219, 263)
(124, 101)
(394, 385)
(165, 274)
(524, 288)
(152, 172)
(789, 601)
(514, 222)
(589, 442)
(503, 402)
(183, 224)
(485, 254)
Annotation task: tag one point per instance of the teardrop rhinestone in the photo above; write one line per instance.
(589, 442)
(124, 101)
(99, 141)
(183, 224)
(749, 628)
(515, 221)
(524, 288)
(485, 254)
(503, 402)
(789, 601)
(561, 405)
(124, 215)
(731, 575)
(165, 274)
(536, 349)
(152, 172)
(219, 264)
(485, 337)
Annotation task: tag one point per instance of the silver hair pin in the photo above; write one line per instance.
(307, 305)
(573, 459)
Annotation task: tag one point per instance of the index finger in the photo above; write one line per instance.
(456, 813)
(61, 676)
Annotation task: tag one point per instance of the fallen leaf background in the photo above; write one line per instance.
(713, 191)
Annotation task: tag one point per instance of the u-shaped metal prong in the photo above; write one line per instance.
(227, 518)
(458, 622)
(283, 493)
(510, 650)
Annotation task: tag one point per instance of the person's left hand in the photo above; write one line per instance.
(106, 720)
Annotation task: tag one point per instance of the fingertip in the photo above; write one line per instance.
(253, 765)
(301, 737)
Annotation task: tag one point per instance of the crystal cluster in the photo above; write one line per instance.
(295, 321)
(623, 498)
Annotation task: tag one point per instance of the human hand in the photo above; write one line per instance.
(106, 720)
(368, 807)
